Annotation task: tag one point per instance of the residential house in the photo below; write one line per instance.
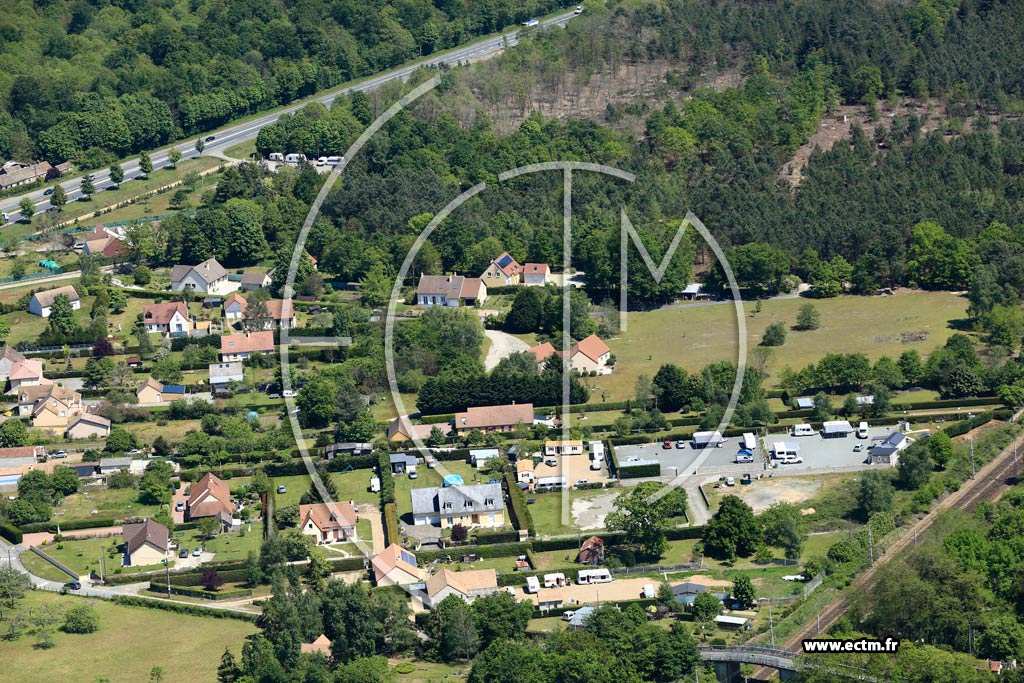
(253, 280)
(145, 544)
(86, 470)
(282, 313)
(550, 599)
(535, 274)
(9, 356)
(209, 497)
(525, 471)
(488, 419)
(236, 347)
(479, 505)
(328, 522)
(402, 429)
(322, 645)
(103, 241)
(27, 373)
(503, 271)
(50, 406)
(41, 302)
(543, 351)
(20, 456)
(469, 585)
(88, 426)
(208, 277)
(234, 306)
(222, 374)
(887, 452)
(170, 317)
(110, 466)
(150, 391)
(591, 551)
(573, 447)
(133, 362)
(395, 566)
(14, 173)
(450, 290)
(590, 355)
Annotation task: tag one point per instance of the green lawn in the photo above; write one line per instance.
(187, 648)
(43, 569)
(695, 337)
(228, 547)
(114, 503)
(432, 672)
(83, 556)
(355, 485)
(295, 486)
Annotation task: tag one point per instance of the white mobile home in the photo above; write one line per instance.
(803, 430)
(587, 576)
(532, 584)
(707, 439)
(749, 441)
(836, 429)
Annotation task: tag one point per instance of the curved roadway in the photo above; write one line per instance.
(248, 130)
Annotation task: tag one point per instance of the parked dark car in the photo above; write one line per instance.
(183, 552)
(73, 586)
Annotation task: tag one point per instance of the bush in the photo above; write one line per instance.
(157, 586)
(490, 537)
(391, 532)
(520, 513)
(405, 667)
(11, 533)
(387, 482)
(774, 335)
(81, 619)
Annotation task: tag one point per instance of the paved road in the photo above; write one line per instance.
(503, 345)
(242, 132)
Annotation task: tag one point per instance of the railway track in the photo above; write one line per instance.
(989, 484)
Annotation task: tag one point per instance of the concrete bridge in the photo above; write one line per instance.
(728, 660)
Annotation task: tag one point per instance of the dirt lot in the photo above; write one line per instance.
(574, 468)
(764, 492)
(619, 589)
(589, 513)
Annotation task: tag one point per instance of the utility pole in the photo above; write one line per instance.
(771, 625)
(973, 472)
(817, 619)
(871, 546)
(167, 568)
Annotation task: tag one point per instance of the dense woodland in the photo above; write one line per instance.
(93, 80)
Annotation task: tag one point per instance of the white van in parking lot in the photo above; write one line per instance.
(862, 430)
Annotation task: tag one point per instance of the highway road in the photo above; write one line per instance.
(242, 132)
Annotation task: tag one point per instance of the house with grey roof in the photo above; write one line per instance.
(482, 505)
(208, 277)
(222, 374)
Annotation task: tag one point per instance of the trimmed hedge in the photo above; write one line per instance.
(964, 426)
(225, 569)
(387, 482)
(491, 537)
(947, 403)
(484, 552)
(347, 564)
(391, 532)
(186, 579)
(189, 592)
(51, 527)
(11, 533)
(640, 471)
(520, 513)
(182, 608)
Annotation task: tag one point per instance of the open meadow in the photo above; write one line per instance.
(693, 336)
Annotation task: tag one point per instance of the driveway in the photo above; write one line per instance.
(371, 513)
(179, 497)
(503, 345)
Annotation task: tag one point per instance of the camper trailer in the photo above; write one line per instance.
(374, 484)
(749, 441)
(555, 580)
(803, 430)
(588, 576)
(532, 584)
(295, 158)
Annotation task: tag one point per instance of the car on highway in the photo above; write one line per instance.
(47, 192)
(73, 585)
(531, 22)
(211, 138)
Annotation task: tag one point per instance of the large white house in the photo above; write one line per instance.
(41, 303)
(208, 277)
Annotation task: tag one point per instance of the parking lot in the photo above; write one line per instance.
(817, 453)
(573, 467)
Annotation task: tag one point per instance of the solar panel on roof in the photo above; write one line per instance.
(407, 557)
(504, 261)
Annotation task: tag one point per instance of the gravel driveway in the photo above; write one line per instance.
(503, 345)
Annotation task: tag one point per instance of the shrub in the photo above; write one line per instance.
(11, 533)
(391, 533)
(405, 667)
(81, 619)
(521, 517)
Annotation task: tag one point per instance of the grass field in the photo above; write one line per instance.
(355, 485)
(43, 569)
(295, 486)
(547, 512)
(696, 336)
(187, 648)
(432, 672)
(113, 503)
(83, 556)
(227, 547)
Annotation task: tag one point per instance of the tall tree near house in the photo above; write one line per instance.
(62, 315)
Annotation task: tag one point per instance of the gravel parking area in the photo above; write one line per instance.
(618, 589)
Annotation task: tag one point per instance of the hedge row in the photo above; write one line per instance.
(947, 403)
(637, 471)
(387, 481)
(51, 527)
(484, 552)
(182, 608)
(519, 512)
(492, 537)
(347, 564)
(391, 532)
(196, 578)
(188, 592)
(11, 533)
(964, 426)
(221, 567)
